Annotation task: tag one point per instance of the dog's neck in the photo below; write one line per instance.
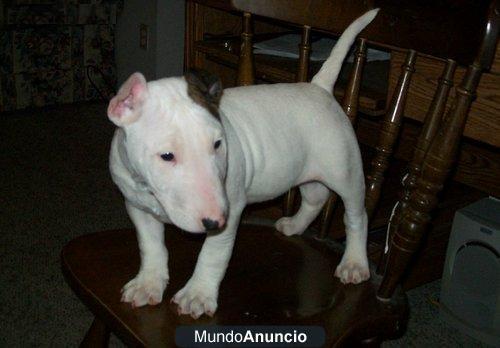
(138, 179)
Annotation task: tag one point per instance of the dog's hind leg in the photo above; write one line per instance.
(314, 196)
(353, 267)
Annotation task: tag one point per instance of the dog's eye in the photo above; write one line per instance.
(217, 144)
(168, 156)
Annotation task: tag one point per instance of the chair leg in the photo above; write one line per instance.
(435, 169)
(96, 336)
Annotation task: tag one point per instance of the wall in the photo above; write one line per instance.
(164, 56)
(170, 44)
(129, 56)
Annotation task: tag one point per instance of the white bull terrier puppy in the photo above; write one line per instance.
(186, 153)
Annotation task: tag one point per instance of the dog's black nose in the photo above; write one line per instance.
(210, 224)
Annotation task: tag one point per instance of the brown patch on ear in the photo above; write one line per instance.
(205, 89)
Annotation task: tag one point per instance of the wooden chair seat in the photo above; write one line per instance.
(272, 279)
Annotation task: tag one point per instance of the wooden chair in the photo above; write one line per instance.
(274, 279)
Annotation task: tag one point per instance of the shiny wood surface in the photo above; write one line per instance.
(388, 135)
(304, 52)
(482, 124)
(350, 101)
(272, 279)
(437, 164)
(273, 69)
(477, 166)
(445, 29)
(246, 69)
(416, 215)
(194, 33)
(429, 129)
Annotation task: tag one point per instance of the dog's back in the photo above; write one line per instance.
(284, 129)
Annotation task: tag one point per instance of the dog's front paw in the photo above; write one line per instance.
(288, 226)
(195, 299)
(146, 288)
(353, 270)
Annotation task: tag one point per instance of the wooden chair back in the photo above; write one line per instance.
(460, 35)
(443, 30)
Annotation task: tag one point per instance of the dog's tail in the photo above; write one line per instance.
(327, 75)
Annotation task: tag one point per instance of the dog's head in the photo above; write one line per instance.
(174, 139)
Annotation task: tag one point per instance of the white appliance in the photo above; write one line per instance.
(470, 288)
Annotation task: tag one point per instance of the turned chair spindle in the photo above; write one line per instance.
(388, 134)
(246, 71)
(304, 52)
(437, 164)
(431, 123)
(415, 216)
(351, 97)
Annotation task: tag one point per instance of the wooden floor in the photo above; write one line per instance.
(430, 260)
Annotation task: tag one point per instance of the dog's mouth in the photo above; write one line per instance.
(183, 220)
(198, 219)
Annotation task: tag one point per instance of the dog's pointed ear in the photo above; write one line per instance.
(205, 89)
(125, 106)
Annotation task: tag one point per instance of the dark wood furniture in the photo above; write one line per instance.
(277, 280)
(271, 279)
